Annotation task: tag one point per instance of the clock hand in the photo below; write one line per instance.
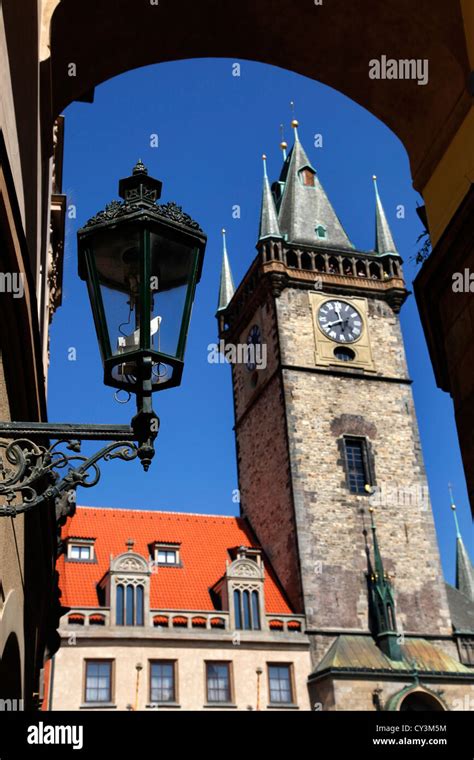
(331, 324)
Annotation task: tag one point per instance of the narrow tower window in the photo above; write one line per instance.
(358, 473)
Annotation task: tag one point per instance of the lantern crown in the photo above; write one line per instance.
(139, 187)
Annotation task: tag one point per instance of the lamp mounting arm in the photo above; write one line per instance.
(30, 468)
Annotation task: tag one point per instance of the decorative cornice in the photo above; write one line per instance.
(119, 209)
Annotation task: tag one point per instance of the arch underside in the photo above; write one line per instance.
(332, 43)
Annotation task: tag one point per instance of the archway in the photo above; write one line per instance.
(132, 36)
(421, 701)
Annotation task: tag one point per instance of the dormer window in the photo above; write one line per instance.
(167, 554)
(129, 583)
(80, 549)
(321, 232)
(247, 609)
(307, 177)
(244, 589)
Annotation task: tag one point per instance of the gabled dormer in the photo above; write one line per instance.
(243, 590)
(129, 589)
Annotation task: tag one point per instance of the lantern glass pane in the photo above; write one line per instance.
(118, 266)
(172, 272)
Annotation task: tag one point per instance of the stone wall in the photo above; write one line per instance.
(316, 512)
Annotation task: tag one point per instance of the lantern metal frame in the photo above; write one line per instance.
(139, 209)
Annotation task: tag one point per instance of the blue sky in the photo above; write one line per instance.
(212, 129)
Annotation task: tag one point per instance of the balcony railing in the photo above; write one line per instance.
(346, 264)
(92, 617)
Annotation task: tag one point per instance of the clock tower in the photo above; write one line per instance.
(331, 474)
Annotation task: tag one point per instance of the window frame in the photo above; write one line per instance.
(230, 678)
(240, 615)
(304, 173)
(366, 463)
(291, 681)
(174, 664)
(78, 543)
(101, 661)
(125, 586)
(167, 548)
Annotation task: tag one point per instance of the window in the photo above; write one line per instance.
(467, 651)
(357, 464)
(167, 554)
(218, 681)
(162, 681)
(129, 604)
(280, 686)
(307, 177)
(167, 557)
(98, 681)
(321, 232)
(80, 550)
(247, 610)
(344, 354)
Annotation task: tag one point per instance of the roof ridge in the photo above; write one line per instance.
(162, 512)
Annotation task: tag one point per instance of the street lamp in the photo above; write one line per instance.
(141, 262)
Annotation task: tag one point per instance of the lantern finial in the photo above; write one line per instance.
(140, 168)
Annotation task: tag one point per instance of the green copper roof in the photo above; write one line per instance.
(349, 652)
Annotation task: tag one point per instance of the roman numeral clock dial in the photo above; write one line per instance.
(340, 321)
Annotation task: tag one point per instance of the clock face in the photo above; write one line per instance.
(340, 321)
(254, 338)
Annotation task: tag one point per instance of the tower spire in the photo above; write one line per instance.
(305, 214)
(382, 602)
(384, 242)
(464, 568)
(269, 226)
(226, 286)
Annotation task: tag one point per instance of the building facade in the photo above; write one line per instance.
(173, 611)
(32, 215)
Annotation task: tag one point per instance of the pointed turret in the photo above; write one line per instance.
(268, 216)
(384, 242)
(305, 213)
(226, 286)
(464, 568)
(382, 602)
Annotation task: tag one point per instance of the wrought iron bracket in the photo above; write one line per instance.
(30, 468)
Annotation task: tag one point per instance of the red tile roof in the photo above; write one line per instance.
(204, 542)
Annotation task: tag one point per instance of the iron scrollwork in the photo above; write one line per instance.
(30, 473)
